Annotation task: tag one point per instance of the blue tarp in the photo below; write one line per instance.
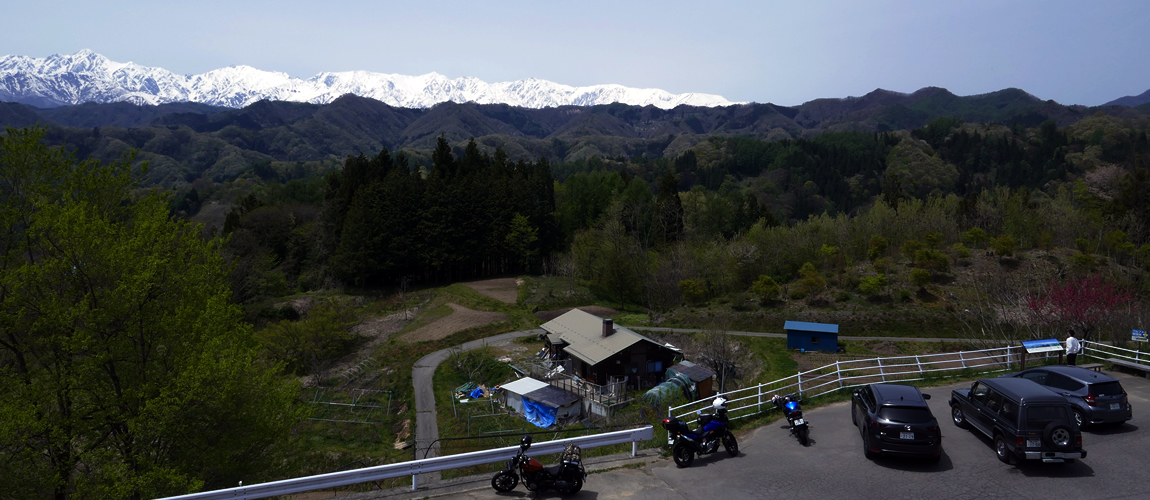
(477, 393)
(538, 414)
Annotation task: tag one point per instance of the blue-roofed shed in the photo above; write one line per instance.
(812, 336)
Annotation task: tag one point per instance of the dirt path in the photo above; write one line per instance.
(460, 319)
(501, 289)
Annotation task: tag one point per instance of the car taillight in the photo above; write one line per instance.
(666, 420)
(1019, 442)
(1079, 441)
(1090, 400)
(934, 429)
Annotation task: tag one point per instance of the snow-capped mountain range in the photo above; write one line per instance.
(86, 76)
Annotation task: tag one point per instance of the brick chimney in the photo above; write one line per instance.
(608, 327)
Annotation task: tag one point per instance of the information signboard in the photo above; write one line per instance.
(1048, 345)
(1139, 335)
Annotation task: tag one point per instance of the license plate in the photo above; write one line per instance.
(1033, 443)
(800, 422)
(1114, 406)
(906, 435)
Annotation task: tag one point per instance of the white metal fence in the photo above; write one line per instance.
(1100, 351)
(416, 467)
(750, 401)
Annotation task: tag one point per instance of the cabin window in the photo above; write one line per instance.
(654, 366)
(814, 340)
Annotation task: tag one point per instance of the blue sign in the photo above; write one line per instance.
(1047, 345)
(1139, 335)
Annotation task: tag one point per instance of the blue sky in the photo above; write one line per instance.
(782, 52)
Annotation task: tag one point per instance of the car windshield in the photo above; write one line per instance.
(1042, 415)
(906, 415)
(1106, 388)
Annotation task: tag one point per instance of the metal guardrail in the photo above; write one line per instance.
(750, 401)
(1091, 349)
(416, 467)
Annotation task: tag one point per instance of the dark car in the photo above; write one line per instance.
(894, 419)
(1025, 420)
(1097, 398)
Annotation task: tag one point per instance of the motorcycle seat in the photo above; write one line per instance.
(556, 471)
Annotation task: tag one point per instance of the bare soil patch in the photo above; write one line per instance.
(502, 289)
(602, 312)
(460, 319)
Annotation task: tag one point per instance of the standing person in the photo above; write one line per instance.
(1073, 346)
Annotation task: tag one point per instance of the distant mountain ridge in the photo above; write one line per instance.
(1131, 100)
(86, 76)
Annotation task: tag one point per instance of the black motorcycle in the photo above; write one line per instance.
(713, 429)
(567, 477)
(791, 409)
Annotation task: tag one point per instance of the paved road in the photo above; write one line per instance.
(426, 428)
(772, 464)
(783, 335)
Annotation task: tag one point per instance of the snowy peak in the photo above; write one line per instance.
(90, 77)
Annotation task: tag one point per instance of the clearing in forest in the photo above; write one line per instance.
(461, 318)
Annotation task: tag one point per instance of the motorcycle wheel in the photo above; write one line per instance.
(804, 435)
(683, 455)
(731, 444)
(576, 485)
(504, 481)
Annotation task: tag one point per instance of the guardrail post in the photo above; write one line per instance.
(634, 448)
(414, 481)
(759, 406)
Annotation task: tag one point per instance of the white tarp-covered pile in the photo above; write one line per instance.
(539, 402)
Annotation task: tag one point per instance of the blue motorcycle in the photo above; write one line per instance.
(713, 429)
(791, 409)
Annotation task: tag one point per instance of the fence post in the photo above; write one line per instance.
(799, 377)
(634, 448)
(919, 363)
(881, 372)
(962, 359)
(759, 406)
(839, 374)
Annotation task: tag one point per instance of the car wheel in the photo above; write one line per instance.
(1079, 419)
(504, 481)
(731, 444)
(870, 455)
(683, 455)
(1058, 435)
(959, 418)
(1001, 450)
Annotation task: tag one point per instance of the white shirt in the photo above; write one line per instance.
(1072, 345)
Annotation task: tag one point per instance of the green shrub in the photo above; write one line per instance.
(975, 237)
(933, 239)
(872, 285)
(920, 277)
(1004, 246)
(766, 289)
(694, 291)
(797, 294)
(878, 246)
(961, 251)
(1082, 261)
(325, 334)
(910, 247)
(904, 295)
(842, 296)
(933, 260)
(882, 266)
(810, 280)
(1083, 245)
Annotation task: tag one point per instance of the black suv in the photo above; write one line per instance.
(1097, 398)
(894, 419)
(1025, 420)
